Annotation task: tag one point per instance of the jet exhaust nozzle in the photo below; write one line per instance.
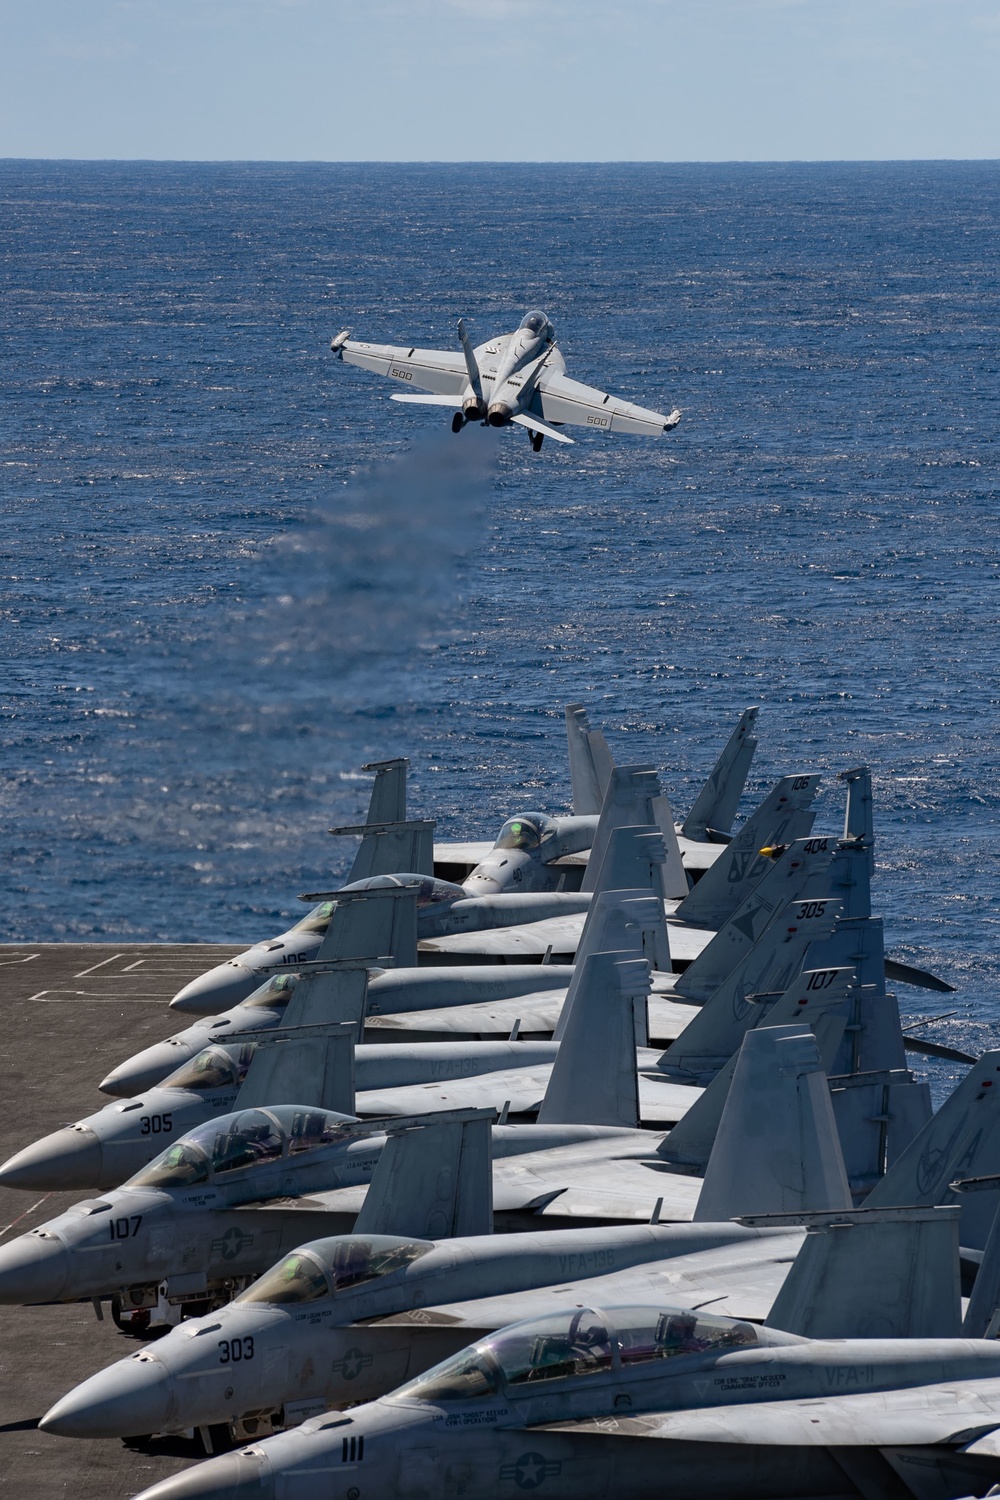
(499, 414)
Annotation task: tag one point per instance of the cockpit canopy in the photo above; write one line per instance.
(317, 920)
(250, 1138)
(430, 892)
(527, 832)
(212, 1068)
(573, 1345)
(537, 323)
(327, 1267)
(276, 993)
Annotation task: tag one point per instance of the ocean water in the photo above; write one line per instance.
(233, 570)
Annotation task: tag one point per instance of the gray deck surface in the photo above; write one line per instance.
(70, 1011)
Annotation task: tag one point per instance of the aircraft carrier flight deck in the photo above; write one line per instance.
(71, 1011)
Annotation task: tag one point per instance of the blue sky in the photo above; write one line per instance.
(514, 80)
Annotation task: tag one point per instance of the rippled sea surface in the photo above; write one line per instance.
(233, 570)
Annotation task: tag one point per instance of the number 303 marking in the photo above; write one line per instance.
(234, 1350)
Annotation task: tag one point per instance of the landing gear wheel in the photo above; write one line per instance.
(133, 1321)
(220, 1439)
(457, 422)
(537, 439)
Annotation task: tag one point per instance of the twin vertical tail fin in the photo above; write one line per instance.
(962, 1140)
(743, 1000)
(310, 1065)
(817, 999)
(891, 1273)
(777, 1149)
(391, 849)
(782, 817)
(634, 799)
(590, 762)
(594, 1080)
(378, 925)
(434, 1180)
(715, 805)
(804, 861)
(626, 922)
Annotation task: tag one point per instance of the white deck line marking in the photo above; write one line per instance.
(27, 1211)
(49, 997)
(94, 967)
(6, 962)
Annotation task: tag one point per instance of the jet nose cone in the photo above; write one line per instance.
(32, 1269)
(233, 1476)
(148, 1068)
(130, 1398)
(225, 985)
(64, 1160)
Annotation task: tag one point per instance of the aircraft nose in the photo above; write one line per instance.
(131, 1397)
(245, 1475)
(225, 985)
(149, 1067)
(64, 1160)
(32, 1269)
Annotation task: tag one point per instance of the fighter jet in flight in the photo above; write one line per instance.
(517, 377)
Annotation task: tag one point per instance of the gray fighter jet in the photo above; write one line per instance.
(346, 1319)
(188, 1219)
(515, 377)
(646, 1401)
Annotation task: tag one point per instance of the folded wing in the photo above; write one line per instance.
(422, 369)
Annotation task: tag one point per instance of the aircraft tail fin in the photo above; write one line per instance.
(961, 1140)
(982, 1318)
(619, 921)
(784, 815)
(817, 999)
(745, 999)
(634, 799)
(715, 805)
(389, 848)
(310, 1065)
(804, 860)
(890, 1273)
(338, 993)
(590, 763)
(594, 1079)
(378, 925)
(434, 1180)
(777, 1148)
(387, 803)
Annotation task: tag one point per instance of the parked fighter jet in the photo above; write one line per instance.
(189, 1216)
(346, 1319)
(515, 377)
(647, 1401)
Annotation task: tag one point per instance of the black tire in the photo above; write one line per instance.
(457, 422)
(220, 1436)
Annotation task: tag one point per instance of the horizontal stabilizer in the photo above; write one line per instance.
(922, 979)
(421, 398)
(533, 425)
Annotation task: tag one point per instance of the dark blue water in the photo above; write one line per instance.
(233, 570)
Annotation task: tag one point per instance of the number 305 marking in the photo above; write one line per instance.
(155, 1124)
(233, 1350)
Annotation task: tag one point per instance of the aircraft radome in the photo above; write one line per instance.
(514, 377)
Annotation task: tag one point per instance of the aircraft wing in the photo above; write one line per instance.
(559, 399)
(538, 1014)
(660, 1102)
(953, 1412)
(421, 369)
(736, 1281)
(561, 934)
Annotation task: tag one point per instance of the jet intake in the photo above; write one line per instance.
(499, 414)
